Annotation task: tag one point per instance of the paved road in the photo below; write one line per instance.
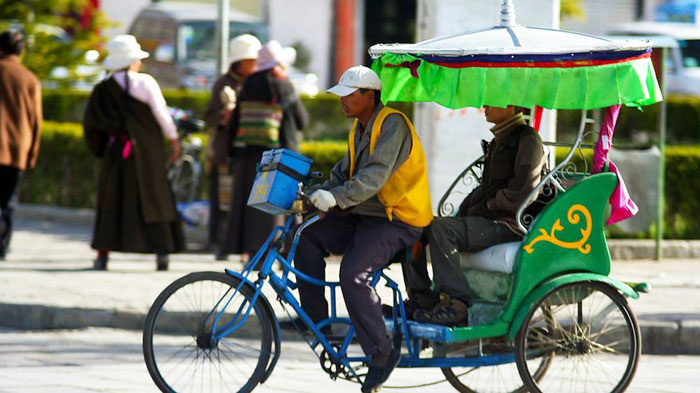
(108, 360)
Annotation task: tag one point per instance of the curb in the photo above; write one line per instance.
(658, 337)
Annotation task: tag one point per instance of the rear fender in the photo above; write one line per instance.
(540, 291)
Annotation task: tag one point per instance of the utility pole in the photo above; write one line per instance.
(222, 33)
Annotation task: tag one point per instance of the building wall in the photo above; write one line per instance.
(452, 138)
(307, 21)
(600, 15)
(123, 12)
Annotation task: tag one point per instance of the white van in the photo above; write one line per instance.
(683, 66)
(181, 39)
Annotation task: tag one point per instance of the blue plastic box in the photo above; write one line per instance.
(276, 183)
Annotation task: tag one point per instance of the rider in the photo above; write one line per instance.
(513, 168)
(381, 189)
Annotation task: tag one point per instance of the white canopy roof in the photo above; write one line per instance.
(511, 40)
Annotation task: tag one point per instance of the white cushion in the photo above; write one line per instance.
(499, 258)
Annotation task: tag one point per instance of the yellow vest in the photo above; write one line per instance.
(405, 194)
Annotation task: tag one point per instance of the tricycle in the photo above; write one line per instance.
(547, 317)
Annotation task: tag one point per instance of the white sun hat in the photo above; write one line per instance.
(273, 53)
(244, 47)
(357, 77)
(123, 50)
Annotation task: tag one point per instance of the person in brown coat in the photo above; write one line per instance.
(20, 126)
(243, 55)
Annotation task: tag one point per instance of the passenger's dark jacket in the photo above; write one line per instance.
(513, 168)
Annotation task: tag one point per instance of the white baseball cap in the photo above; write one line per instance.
(357, 77)
(244, 47)
(123, 50)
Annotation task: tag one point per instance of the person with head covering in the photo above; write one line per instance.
(268, 115)
(487, 216)
(377, 202)
(20, 126)
(125, 124)
(243, 54)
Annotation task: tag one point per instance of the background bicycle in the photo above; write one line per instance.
(184, 174)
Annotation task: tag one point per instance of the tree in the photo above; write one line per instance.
(58, 32)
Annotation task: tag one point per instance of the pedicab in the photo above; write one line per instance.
(547, 317)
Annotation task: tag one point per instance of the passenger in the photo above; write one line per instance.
(381, 187)
(486, 217)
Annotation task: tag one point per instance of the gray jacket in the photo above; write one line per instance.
(371, 172)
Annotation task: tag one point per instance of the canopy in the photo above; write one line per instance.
(516, 65)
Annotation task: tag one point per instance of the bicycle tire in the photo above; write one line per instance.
(502, 378)
(183, 179)
(594, 328)
(178, 353)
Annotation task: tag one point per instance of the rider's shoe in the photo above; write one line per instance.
(379, 373)
(451, 312)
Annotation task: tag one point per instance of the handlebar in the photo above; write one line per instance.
(185, 122)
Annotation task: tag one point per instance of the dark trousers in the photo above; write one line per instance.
(367, 245)
(447, 237)
(9, 184)
(217, 217)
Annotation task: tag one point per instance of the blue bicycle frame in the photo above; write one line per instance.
(283, 286)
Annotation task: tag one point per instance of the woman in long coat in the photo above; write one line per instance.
(268, 88)
(124, 125)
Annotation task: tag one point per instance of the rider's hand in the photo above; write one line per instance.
(323, 200)
(175, 150)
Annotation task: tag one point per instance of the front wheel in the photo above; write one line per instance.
(180, 351)
(591, 335)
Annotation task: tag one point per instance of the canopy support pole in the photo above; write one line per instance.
(662, 160)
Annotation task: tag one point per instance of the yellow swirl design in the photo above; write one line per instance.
(574, 216)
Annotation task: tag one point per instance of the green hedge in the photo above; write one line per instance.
(327, 119)
(66, 175)
(639, 127)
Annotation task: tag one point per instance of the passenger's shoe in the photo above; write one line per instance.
(450, 312)
(162, 262)
(377, 375)
(100, 263)
(417, 302)
(221, 256)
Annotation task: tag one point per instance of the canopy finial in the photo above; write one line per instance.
(508, 13)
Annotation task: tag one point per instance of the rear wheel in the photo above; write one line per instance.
(502, 378)
(591, 335)
(180, 351)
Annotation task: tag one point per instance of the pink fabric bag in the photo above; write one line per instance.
(622, 205)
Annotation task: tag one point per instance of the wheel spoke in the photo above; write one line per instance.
(196, 361)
